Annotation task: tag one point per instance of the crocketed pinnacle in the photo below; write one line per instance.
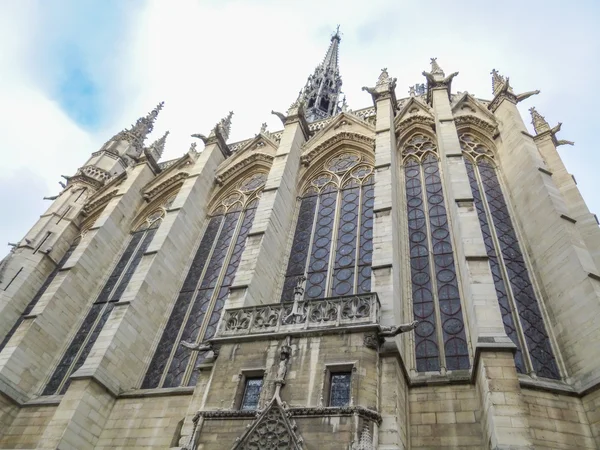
(539, 122)
(323, 88)
(435, 68)
(158, 147)
(497, 80)
(224, 125)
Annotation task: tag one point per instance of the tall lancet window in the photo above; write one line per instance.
(523, 321)
(111, 293)
(440, 341)
(332, 244)
(198, 307)
(40, 292)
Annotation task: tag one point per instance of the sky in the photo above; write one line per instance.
(75, 72)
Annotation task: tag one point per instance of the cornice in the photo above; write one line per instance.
(241, 165)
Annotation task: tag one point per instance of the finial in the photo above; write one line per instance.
(411, 91)
(497, 80)
(383, 77)
(344, 105)
(538, 121)
(263, 128)
(336, 35)
(435, 68)
(224, 126)
(192, 149)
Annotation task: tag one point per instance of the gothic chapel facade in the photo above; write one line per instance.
(422, 273)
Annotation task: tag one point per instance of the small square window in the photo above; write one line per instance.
(339, 389)
(252, 389)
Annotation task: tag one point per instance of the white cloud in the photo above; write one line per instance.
(205, 58)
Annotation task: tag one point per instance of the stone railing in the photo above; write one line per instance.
(304, 315)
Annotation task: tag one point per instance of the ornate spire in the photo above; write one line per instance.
(158, 147)
(144, 125)
(435, 68)
(323, 88)
(539, 122)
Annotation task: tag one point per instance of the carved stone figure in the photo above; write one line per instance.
(395, 330)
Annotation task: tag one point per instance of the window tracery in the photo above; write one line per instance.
(111, 293)
(198, 307)
(332, 244)
(440, 340)
(521, 314)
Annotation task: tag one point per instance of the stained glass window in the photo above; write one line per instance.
(332, 244)
(440, 340)
(111, 292)
(40, 292)
(517, 299)
(339, 389)
(198, 307)
(251, 393)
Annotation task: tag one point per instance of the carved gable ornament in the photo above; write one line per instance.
(272, 430)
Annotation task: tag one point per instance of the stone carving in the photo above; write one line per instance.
(366, 440)
(414, 120)
(302, 314)
(98, 202)
(242, 165)
(371, 340)
(284, 356)
(542, 128)
(281, 117)
(395, 330)
(157, 148)
(437, 79)
(203, 138)
(162, 187)
(384, 77)
(298, 295)
(504, 91)
(197, 347)
(307, 158)
(469, 119)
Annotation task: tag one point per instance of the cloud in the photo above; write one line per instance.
(74, 73)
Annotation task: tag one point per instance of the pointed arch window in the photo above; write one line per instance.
(440, 341)
(198, 307)
(332, 244)
(521, 314)
(113, 289)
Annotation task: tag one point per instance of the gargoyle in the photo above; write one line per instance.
(433, 83)
(54, 197)
(564, 142)
(524, 95)
(556, 129)
(197, 347)
(282, 117)
(66, 177)
(62, 185)
(396, 330)
(371, 91)
(201, 137)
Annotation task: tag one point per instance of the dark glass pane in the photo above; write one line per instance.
(453, 329)
(503, 301)
(175, 322)
(426, 348)
(321, 246)
(300, 246)
(220, 251)
(339, 389)
(91, 341)
(40, 292)
(345, 255)
(116, 273)
(251, 394)
(530, 315)
(137, 257)
(365, 250)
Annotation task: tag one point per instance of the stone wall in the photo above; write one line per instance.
(557, 421)
(445, 417)
(27, 427)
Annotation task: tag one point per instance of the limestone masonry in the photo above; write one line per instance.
(422, 273)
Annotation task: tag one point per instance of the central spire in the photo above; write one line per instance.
(323, 88)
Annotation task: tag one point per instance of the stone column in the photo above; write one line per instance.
(386, 276)
(119, 358)
(557, 251)
(263, 257)
(586, 222)
(386, 266)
